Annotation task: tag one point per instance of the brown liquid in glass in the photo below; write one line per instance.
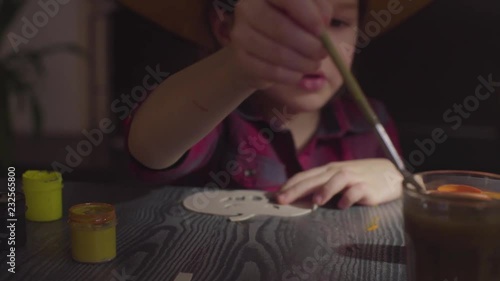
(447, 242)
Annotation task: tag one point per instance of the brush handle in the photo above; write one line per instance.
(356, 91)
(350, 81)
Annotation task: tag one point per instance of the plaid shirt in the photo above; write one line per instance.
(247, 152)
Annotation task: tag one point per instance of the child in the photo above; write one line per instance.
(265, 109)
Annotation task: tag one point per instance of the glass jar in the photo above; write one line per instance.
(93, 232)
(453, 237)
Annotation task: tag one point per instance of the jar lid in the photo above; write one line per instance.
(43, 176)
(92, 213)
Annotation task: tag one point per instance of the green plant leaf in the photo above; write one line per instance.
(8, 12)
(13, 79)
(36, 114)
(12, 84)
(49, 50)
(35, 57)
(5, 126)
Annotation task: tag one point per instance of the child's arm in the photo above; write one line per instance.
(184, 109)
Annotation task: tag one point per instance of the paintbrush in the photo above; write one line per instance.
(360, 98)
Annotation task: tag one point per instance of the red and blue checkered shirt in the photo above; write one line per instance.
(247, 152)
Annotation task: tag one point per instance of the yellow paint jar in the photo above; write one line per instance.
(93, 232)
(43, 192)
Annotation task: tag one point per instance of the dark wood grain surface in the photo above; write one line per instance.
(157, 238)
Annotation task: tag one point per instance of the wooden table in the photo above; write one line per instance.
(157, 239)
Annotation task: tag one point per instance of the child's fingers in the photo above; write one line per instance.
(385, 194)
(268, 72)
(304, 175)
(353, 195)
(334, 185)
(302, 188)
(270, 51)
(274, 24)
(306, 13)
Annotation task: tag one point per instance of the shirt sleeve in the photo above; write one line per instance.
(193, 160)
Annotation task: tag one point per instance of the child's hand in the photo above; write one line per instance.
(367, 182)
(277, 41)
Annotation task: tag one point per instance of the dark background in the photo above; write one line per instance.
(433, 61)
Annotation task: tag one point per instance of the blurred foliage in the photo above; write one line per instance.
(19, 71)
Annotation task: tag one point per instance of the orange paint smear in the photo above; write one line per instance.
(458, 188)
(373, 225)
(467, 191)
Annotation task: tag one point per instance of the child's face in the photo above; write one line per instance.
(316, 89)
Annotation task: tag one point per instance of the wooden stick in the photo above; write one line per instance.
(184, 276)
